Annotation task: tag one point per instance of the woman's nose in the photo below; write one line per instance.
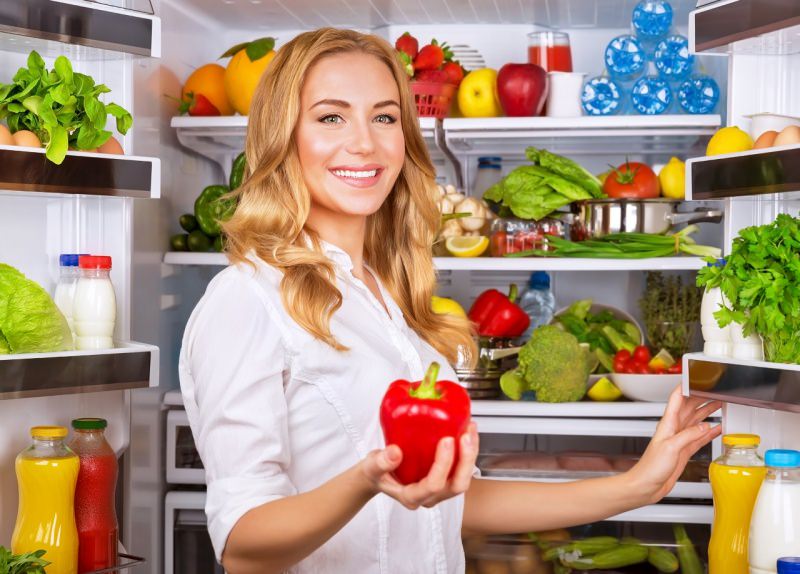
(361, 141)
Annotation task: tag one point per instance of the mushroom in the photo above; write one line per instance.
(451, 228)
(445, 206)
(474, 207)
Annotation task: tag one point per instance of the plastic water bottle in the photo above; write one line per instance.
(672, 58)
(652, 20)
(601, 96)
(699, 94)
(651, 95)
(538, 301)
(625, 58)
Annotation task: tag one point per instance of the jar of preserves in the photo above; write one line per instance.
(510, 235)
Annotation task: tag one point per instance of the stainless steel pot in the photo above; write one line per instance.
(598, 217)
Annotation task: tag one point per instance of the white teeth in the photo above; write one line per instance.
(355, 174)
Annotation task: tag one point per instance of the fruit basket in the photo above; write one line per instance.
(432, 98)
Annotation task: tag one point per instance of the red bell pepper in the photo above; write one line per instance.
(497, 315)
(416, 416)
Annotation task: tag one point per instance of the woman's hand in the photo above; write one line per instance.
(679, 435)
(378, 465)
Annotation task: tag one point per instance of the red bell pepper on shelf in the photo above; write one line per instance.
(416, 416)
(497, 315)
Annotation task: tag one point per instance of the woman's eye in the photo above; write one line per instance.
(331, 119)
(386, 119)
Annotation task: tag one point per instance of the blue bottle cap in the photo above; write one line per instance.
(782, 458)
(789, 565)
(539, 280)
(490, 159)
(721, 262)
(68, 260)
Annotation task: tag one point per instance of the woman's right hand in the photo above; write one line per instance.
(378, 465)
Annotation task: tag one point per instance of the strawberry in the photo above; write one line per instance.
(454, 71)
(432, 56)
(437, 76)
(408, 44)
(198, 105)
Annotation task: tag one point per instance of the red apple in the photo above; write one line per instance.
(522, 89)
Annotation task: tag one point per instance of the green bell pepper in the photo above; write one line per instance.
(237, 171)
(210, 210)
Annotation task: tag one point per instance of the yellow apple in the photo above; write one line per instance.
(477, 94)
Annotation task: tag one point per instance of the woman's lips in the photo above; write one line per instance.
(360, 178)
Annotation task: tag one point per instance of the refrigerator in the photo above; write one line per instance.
(128, 207)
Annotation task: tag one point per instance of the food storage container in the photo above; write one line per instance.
(763, 122)
(510, 235)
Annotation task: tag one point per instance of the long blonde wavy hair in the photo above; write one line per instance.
(274, 204)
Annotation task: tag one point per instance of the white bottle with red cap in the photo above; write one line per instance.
(94, 309)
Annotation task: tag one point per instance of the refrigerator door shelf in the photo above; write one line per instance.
(128, 366)
(25, 170)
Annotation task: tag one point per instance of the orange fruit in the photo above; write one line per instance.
(209, 80)
(241, 78)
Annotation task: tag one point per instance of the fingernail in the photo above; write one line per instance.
(703, 426)
(448, 442)
(467, 439)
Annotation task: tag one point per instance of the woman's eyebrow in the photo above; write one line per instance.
(386, 103)
(344, 104)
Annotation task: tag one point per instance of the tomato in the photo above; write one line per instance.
(624, 354)
(640, 368)
(657, 371)
(641, 354)
(632, 180)
(676, 369)
(620, 365)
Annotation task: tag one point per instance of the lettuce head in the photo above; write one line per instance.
(30, 322)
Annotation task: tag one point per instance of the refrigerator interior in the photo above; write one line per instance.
(155, 298)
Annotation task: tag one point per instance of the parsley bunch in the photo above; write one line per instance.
(30, 563)
(761, 284)
(60, 106)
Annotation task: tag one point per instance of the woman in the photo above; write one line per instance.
(287, 356)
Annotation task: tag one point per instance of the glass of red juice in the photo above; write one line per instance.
(550, 50)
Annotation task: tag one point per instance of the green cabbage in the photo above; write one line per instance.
(30, 322)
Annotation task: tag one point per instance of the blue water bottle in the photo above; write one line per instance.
(601, 96)
(625, 58)
(789, 565)
(698, 95)
(672, 58)
(651, 95)
(652, 20)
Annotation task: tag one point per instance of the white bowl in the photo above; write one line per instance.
(650, 388)
(763, 122)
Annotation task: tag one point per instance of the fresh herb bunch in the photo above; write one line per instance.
(60, 106)
(761, 284)
(30, 563)
(671, 312)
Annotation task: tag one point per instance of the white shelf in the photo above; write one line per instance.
(173, 398)
(195, 258)
(668, 513)
(129, 365)
(697, 490)
(580, 135)
(565, 426)
(591, 409)
(566, 264)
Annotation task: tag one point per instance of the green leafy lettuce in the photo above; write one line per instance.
(60, 106)
(536, 191)
(30, 322)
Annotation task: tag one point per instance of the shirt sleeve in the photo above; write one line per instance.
(231, 372)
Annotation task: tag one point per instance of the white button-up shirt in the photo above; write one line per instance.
(275, 412)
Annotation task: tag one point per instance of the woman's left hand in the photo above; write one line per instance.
(679, 435)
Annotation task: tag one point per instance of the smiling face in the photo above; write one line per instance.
(349, 136)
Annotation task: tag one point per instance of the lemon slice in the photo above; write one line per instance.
(663, 360)
(604, 390)
(472, 246)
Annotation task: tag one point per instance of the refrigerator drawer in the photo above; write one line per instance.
(187, 545)
(183, 461)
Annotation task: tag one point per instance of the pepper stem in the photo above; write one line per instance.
(513, 292)
(427, 389)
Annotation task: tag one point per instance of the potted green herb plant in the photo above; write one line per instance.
(60, 106)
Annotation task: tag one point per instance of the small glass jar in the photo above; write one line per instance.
(511, 235)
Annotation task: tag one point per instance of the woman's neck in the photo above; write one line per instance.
(346, 232)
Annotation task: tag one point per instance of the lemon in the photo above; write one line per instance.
(729, 140)
(445, 306)
(604, 390)
(663, 360)
(672, 178)
(242, 76)
(472, 246)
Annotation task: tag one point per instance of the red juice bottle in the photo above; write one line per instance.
(95, 512)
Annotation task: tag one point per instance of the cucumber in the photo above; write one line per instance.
(687, 555)
(662, 559)
(622, 555)
(586, 547)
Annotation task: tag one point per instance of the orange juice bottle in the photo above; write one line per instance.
(46, 475)
(736, 477)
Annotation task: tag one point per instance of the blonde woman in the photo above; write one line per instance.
(287, 356)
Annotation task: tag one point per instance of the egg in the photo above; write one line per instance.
(24, 138)
(5, 136)
(767, 139)
(789, 135)
(111, 146)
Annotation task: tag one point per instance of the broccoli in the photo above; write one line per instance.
(555, 365)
